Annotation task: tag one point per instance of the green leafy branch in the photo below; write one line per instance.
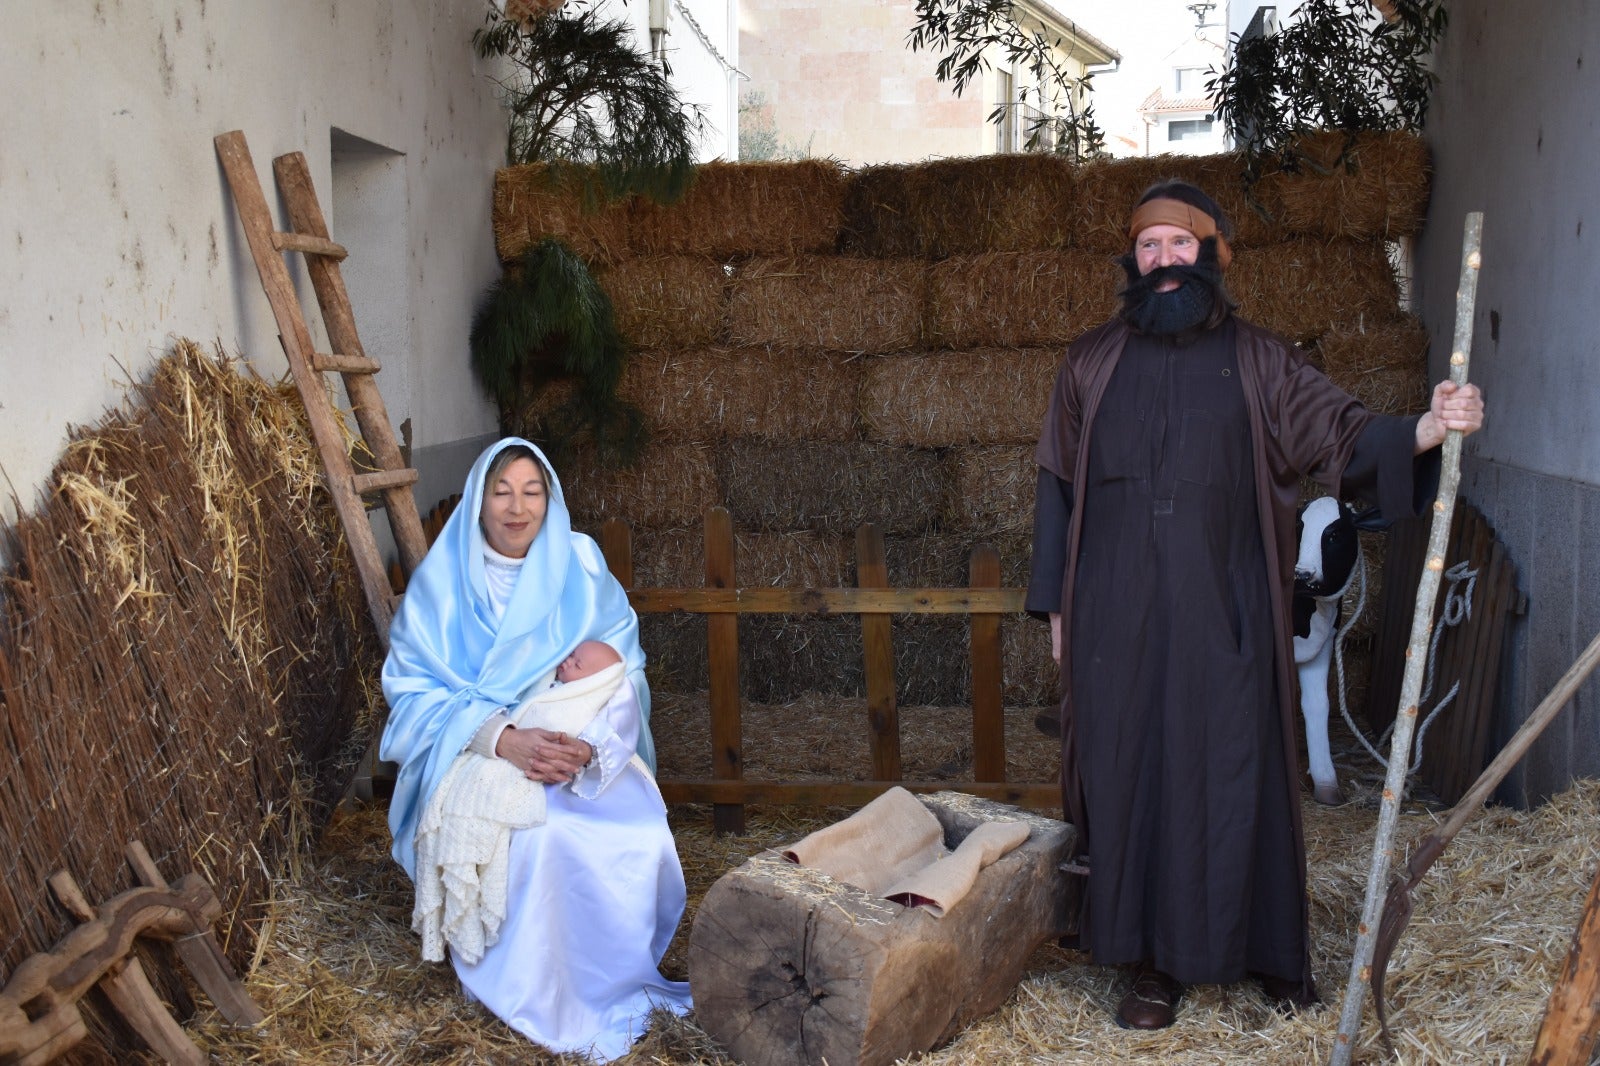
(962, 32)
(1335, 67)
(546, 321)
(582, 93)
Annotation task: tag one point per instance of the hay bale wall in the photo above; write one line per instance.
(820, 348)
(184, 659)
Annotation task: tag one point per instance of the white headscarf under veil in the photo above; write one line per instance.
(451, 664)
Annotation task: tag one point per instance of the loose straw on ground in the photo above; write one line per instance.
(1411, 686)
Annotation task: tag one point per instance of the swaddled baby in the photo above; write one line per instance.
(465, 834)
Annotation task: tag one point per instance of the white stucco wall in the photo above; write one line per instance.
(1513, 134)
(704, 62)
(118, 232)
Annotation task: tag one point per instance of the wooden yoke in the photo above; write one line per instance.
(39, 1014)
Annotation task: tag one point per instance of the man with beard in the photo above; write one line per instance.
(1164, 548)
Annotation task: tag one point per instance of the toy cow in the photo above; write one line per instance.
(1329, 552)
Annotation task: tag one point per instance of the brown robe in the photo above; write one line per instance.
(1179, 763)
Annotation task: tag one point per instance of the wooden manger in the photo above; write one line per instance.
(789, 965)
(722, 601)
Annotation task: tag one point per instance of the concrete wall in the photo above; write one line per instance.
(1513, 132)
(117, 232)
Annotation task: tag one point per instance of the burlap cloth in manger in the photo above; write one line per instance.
(894, 848)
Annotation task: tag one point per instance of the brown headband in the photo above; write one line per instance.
(1163, 212)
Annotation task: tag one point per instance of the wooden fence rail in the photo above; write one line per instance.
(722, 601)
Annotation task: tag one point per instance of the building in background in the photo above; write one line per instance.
(1176, 117)
(836, 78)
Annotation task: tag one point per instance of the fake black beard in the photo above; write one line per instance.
(1169, 314)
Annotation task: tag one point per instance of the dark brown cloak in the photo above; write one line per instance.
(1182, 626)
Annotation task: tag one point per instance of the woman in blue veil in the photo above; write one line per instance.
(594, 894)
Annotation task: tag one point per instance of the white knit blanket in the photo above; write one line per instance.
(464, 840)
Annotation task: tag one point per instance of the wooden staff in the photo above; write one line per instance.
(1405, 722)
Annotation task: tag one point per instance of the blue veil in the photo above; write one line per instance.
(451, 665)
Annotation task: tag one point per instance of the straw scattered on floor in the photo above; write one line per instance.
(341, 980)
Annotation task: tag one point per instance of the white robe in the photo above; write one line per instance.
(595, 895)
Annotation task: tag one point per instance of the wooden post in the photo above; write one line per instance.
(1572, 1020)
(877, 648)
(722, 657)
(988, 683)
(616, 544)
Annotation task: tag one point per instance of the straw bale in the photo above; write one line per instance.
(709, 393)
(1032, 677)
(818, 736)
(936, 399)
(1019, 299)
(675, 652)
(1379, 193)
(667, 300)
(675, 558)
(837, 304)
(944, 560)
(528, 208)
(741, 209)
(671, 485)
(1305, 287)
(1108, 189)
(879, 220)
(1384, 366)
(1017, 202)
(831, 486)
(991, 489)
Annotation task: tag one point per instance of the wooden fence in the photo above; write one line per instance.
(722, 601)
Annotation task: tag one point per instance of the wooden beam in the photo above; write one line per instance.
(616, 544)
(722, 657)
(327, 362)
(988, 681)
(877, 653)
(285, 241)
(1035, 795)
(825, 602)
(201, 953)
(382, 480)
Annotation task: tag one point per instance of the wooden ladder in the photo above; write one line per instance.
(392, 479)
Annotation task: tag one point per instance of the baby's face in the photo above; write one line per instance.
(586, 659)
